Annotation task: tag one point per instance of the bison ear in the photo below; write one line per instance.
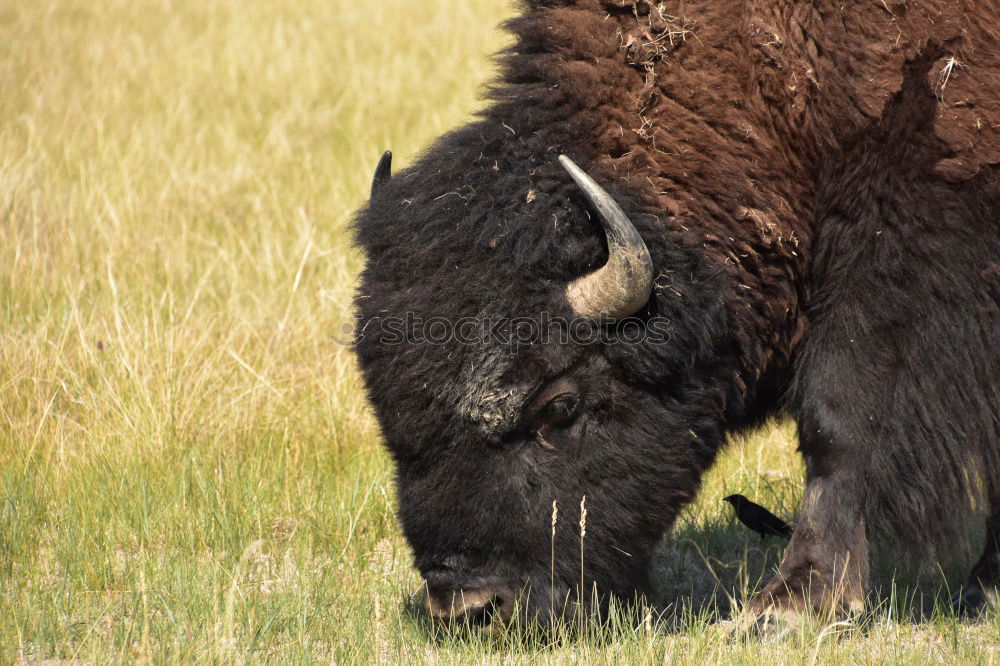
(383, 172)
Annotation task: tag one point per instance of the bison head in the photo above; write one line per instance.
(545, 371)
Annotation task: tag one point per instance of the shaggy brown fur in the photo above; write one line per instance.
(743, 103)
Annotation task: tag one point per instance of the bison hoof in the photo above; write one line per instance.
(779, 611)
(971, 602)
(768, 626)
(775, 625)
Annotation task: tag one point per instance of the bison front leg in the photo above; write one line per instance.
(824, 572)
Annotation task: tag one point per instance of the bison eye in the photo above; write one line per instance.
(552, 410)
(559, 410)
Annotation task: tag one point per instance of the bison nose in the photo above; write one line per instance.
(477, 606)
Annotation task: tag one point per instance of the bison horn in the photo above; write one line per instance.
(383, 172)
(622, 286)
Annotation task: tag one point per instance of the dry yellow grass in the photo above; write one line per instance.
(188, 469)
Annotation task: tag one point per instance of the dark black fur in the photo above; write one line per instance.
(477, 506)
(896, 377)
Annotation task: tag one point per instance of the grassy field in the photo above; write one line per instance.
(188, 469)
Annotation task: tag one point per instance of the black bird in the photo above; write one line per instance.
(759, 519)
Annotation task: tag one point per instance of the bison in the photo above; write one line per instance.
(671, 221)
